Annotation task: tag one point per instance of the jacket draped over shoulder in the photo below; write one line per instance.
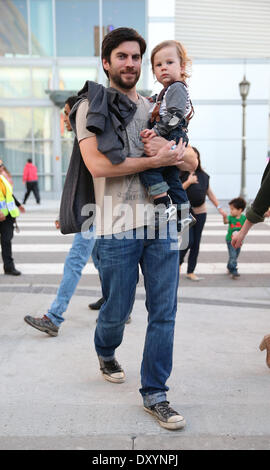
(108, 114)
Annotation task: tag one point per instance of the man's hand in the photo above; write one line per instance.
(168, 157)
(21, 209)
(237, 239)
(2, 217)
(152, 146)
(224, 215)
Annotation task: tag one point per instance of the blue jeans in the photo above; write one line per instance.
(165, 179)
(233, 255)
(75, 261)
(118, 268)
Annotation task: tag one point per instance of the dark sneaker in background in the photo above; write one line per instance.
(42, 324)
(112, 371)
(235, 275)
(166, 416)
(97, 305)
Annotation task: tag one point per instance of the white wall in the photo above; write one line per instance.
(216, 128)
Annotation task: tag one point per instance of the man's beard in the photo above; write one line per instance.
(116, 78)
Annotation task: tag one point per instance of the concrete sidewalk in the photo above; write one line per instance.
(54, 397)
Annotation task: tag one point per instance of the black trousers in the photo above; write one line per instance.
(195, 234)
(6, 234)
(32, 186)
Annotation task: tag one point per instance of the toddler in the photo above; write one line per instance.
(235, 220)
(169, 118)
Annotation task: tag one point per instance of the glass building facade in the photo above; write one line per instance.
(48, 45)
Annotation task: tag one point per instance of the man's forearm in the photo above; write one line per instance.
(100, 166)
(190, 160)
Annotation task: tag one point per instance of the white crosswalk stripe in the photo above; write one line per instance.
(201, 268)
(64, 247)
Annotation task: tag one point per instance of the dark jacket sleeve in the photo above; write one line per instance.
(255, 213)
(78, 193)
(18, 204)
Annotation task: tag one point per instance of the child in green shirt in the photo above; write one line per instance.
(236, 220)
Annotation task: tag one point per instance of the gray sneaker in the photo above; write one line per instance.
(43, 324)
(112, 371)
(166, 416)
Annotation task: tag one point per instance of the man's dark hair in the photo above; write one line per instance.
(238, 203)
(71, 100)
(29, 160)
(113, 39)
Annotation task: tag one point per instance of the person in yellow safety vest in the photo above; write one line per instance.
(10, 208)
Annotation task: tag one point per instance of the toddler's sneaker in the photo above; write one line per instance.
(185, 224)
(162, 217)
(235, 275)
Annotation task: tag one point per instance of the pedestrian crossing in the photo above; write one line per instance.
(38, 235)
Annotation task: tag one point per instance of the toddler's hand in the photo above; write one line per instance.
(223, 213)
(148, 134)
(192, 179)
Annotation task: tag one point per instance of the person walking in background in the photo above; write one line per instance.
(4, 171)
(75, 261)
(10, 208)
(256, 213)
(196, 184)
(235, 220)
(30, 178)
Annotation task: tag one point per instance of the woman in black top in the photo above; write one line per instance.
(197, 187)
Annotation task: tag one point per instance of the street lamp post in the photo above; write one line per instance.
(244, 89)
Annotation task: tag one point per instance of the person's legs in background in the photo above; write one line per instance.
(6, 234)
(36, 192)
(75, 261)
(28, 191)
(232, 261)
(188, 243)
(195, 246)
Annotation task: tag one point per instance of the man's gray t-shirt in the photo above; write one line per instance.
(120, 201)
